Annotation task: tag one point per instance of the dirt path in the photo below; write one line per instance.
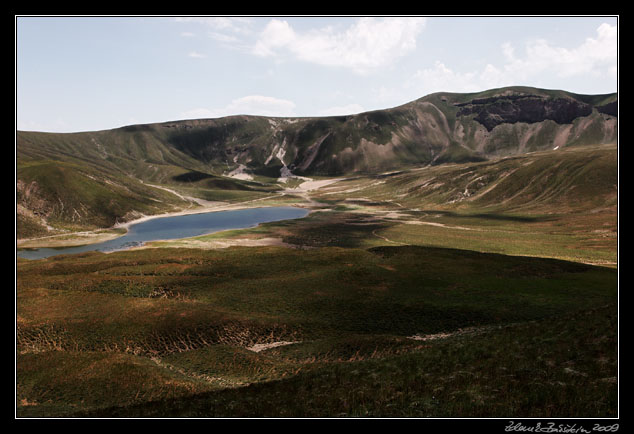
(261, 347)
(201, 202)
(467, 331)
(387, 239)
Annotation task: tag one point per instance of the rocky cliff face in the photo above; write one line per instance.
(610, 108)
(494, 111)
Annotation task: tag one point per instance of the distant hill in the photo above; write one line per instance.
(93, 179)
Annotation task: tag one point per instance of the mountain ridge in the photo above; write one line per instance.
(422, 131)
(247, 152)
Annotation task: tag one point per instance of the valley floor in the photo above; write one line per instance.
(444, 291)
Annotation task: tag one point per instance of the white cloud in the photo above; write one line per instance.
(199, 113)
(262, 105)
(612, 72)
(342, 110)
(594, 56)
(508, 51)
(368, 44)
(233, 24)
(187, 34)
(540, 62)
(221, 37)
(222, 29)
(51, 125)
(275, 35)
(196, 55)
(248, 105)
(442, 78)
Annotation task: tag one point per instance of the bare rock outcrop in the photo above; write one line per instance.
(497, 110)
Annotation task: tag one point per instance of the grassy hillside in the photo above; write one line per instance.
(484, 376)
(548, 182)
(69, 196)
(132, 331)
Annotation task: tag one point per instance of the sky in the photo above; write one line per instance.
(95, 72)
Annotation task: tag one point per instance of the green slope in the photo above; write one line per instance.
(71, 196)
(437, 129)
(156, 332)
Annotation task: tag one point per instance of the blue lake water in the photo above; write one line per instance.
(175, 227)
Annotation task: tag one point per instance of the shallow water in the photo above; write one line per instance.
(175, 227)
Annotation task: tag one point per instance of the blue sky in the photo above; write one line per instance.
(94, 73)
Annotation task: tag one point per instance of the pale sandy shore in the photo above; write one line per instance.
(202, 206)
(101, 235)
(70, 239)
(312, 185)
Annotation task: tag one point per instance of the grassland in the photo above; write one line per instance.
(481, 289)
(90, 326)
(560, 205)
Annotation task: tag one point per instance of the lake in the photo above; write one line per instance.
(175, 227)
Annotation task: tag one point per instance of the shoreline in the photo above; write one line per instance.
(265, 241)
(74, 239)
